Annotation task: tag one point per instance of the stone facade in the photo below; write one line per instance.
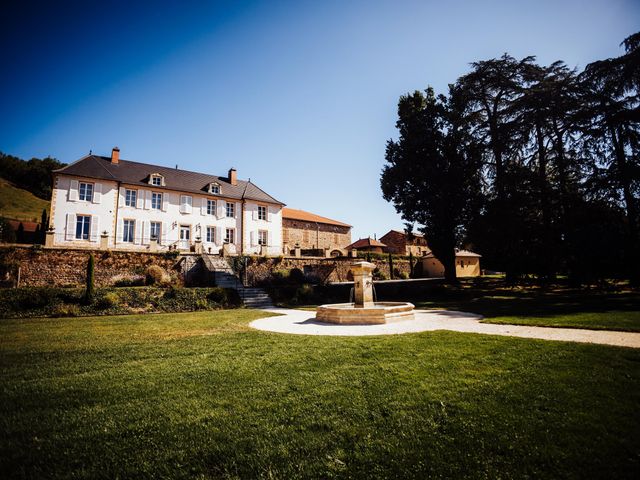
(403, 244)
(322, 270)
(312, 235)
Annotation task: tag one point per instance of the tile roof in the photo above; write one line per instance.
(459, 253)
(294, 214)
(135, 173)
(366, 242)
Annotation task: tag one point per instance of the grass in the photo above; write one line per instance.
(554, 306)
(19, 204)
(200, 395)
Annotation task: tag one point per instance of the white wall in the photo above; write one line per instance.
(170, 216)
(66, 205)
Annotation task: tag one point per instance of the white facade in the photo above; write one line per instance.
(86, 213)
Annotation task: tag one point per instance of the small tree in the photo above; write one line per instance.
(89, 292)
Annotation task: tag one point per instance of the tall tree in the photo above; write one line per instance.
(613, 117)
(431, 175)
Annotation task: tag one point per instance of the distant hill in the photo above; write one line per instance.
(19, 204)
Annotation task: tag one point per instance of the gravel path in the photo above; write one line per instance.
(301, 322)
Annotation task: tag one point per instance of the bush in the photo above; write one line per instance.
(156, 275)
(297, 276)
(65, 310)
(133, 281)
(107, 300)
(379, 274)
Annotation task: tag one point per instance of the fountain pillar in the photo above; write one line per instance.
(363, 284)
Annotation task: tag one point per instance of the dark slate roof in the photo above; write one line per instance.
(135, 173)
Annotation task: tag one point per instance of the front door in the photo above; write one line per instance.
(185, 236)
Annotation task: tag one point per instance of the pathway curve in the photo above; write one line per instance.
(301, 322)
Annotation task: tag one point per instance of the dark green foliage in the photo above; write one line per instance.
(43, 301)
(559, 166)
(432, 171)
(297, 276)
(33, 175)
(90, 280)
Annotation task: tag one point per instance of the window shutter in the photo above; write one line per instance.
(120, 230)
(146, 232)
(183, 204)
(140, 199)
(137, 232)
(254, 213)
(269, 214)
(268, 238)
(236, 209)
(71, 227)
(147, 200)
(218, 236)
(165, 201)
(94, 233)
(189, 204)
(252, 236)
(203, 206)
(221, 206)
(73, 191)
(97, 194)
(122, 197)
(164, 233)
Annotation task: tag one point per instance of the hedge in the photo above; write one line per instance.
(68, 302)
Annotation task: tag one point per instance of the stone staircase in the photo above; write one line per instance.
(223, 276)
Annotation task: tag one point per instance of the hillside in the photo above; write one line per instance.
(19, 204)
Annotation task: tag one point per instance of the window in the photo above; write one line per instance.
(305, 236)
(83, 226)
(211, 207)
(231, 210)
(262, 237)
(156, 229)
(211, 234)
(157, 180)
(86, 191)
(214, 188)
(230, 235)
(262, 212)
(128, 231)
(130, 198)
(186, 201)
(156, 201)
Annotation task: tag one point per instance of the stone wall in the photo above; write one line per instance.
(322, 270)
(402, 244)
(65, 267)
(314, 235)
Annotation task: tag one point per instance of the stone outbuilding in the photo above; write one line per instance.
(467, 265)
(403, 243)
(368, 245)
(314, 232)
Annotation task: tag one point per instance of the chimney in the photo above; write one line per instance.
(115, 155)
(233, 176)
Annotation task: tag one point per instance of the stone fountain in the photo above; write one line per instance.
(364, 310)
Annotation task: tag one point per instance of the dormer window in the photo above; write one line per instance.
(156, 180)
(214, 187)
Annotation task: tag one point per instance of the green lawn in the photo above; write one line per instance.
(19, 204)
(554, 307)
(200, 395)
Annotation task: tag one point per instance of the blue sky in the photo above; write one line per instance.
(300, 96)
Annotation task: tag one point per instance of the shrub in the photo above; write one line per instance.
(297, 276)
(90, 287)
(132, 281)
(171, 254)
(65, 310)
(107, 300)
(402, 275)
(156, 275)
(280, 275)
(379, 274)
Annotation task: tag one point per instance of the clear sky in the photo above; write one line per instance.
(300, 96)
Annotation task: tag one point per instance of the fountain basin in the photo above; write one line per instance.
(373, 313)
